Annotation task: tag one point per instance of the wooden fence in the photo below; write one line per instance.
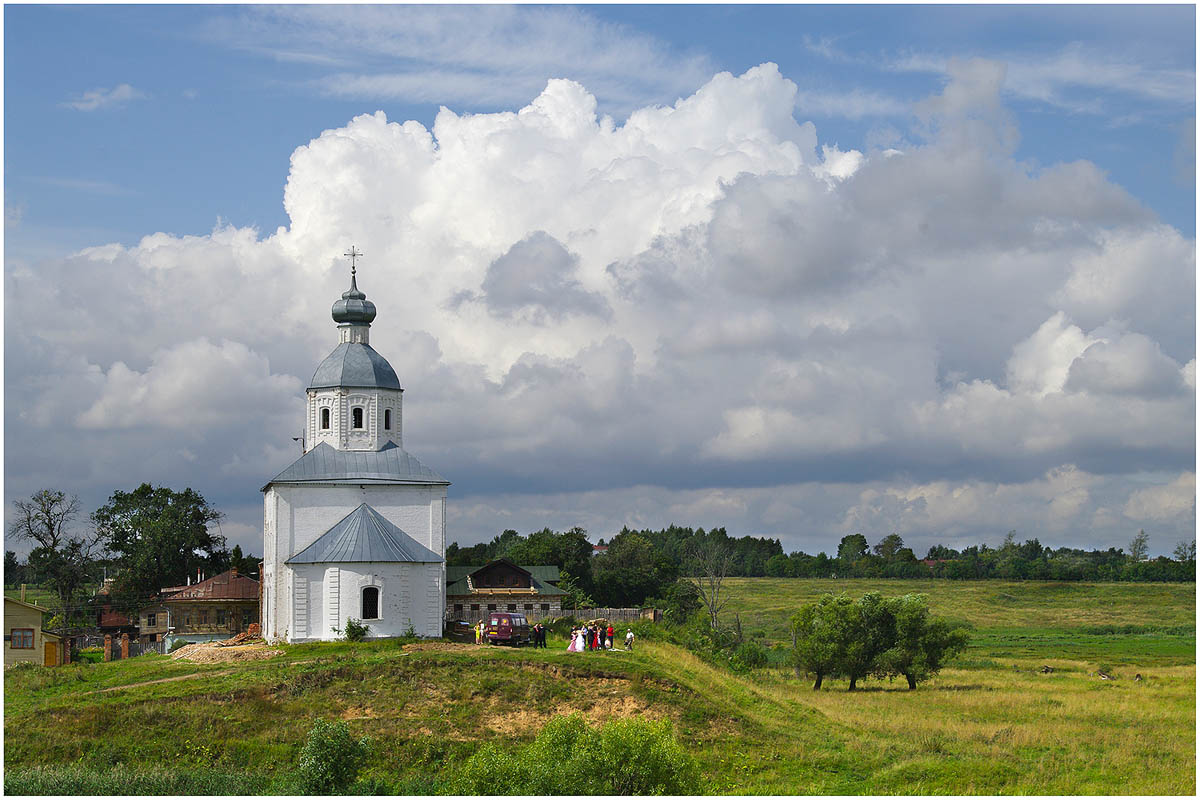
(615, 614)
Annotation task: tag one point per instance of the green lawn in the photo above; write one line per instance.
(991, 724)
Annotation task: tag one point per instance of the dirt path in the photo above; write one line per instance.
(162, 680)
(215, 674)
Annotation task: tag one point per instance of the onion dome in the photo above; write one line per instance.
(354, 308)
(354, 365)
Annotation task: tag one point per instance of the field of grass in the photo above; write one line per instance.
(1114, 623)
(991, 724)
(39, 597)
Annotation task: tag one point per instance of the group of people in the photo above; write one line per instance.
(594, 636)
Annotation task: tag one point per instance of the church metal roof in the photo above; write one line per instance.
(364, 535)
(354, 365)
(326, 464)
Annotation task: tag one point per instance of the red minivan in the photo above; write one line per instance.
(505, 627)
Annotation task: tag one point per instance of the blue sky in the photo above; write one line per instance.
(218, 114)
(983, 214)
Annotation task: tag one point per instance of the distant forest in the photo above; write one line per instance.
(640, 565)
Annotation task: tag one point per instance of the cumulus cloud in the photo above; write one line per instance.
(204, 382)
(99, 98)
(702, 311)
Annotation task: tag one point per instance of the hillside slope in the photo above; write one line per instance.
(992, 724)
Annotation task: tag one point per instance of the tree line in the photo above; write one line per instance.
(143, 540)
(637, 568)
(641, 566)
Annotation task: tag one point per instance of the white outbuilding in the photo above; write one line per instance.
(356, 527)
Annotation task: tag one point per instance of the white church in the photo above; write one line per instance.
(355, 527)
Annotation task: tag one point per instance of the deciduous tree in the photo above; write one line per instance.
(1139, 548)
(161, 537)
(63, 561)
(920, 645)
(709, 561)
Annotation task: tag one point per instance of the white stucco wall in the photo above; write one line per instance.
(297, 604)
(409, 595)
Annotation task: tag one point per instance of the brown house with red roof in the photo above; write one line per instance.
(217, 608)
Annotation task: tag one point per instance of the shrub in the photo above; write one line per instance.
(748, 656)
(331, 758)
(624, 757)
(355, 631)
(176, 644)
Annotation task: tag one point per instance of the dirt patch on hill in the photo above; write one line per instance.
(444, 647)
(212, 653)
(597, 708)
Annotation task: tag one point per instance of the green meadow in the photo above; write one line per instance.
(992, 723)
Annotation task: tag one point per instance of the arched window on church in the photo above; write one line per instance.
(324, 419)
(387, 419)
(356, 418)
(370, 602)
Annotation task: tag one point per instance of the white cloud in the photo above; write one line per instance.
(478, 55)
(703, 311)
(99, 98)
(1174, 501)
(1058, 78)
(196, 383)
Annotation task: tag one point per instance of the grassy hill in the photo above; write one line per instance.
(991, 725)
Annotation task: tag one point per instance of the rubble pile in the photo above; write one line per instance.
(213, 652)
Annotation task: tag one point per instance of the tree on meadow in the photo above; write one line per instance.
(920, 645)
(817, 640)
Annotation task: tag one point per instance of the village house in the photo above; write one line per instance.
(217, 608)
(24, 639)
(501, 585)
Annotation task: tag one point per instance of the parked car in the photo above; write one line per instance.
(507, 628)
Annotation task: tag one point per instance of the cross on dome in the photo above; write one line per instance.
(353, 254)
(354, 308)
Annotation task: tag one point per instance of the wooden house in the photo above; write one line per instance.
(501, 585)
(24, 639)
(216, 608)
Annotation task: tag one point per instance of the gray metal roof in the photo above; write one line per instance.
(326, 464)
(354, 365)
(354, 307)
(364, 535)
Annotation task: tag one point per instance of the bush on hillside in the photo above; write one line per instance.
(624, 757)
(331, 758)
(749, 656)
